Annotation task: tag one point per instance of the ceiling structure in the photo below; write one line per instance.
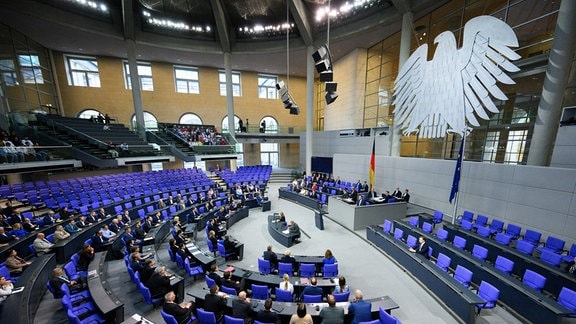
(199, 32)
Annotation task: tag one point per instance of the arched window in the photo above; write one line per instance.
(88, 113)
(224, 126)
(150, 121)
(269, 124)
(190, 119)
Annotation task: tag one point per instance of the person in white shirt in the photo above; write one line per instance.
(6, 288)
(107, 233)
(41, 244)
(285, 284)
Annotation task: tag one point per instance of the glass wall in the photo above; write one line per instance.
(505, 137)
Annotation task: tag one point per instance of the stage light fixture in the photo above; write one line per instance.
(294, 110)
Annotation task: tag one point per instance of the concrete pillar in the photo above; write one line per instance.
(556, 80)
(404, 55)
(309, 107)
(146, 167)
(136, 91)
(229, 93)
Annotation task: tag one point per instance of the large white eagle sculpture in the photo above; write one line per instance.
(439, 96)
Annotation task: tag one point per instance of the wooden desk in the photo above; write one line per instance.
(110, 307)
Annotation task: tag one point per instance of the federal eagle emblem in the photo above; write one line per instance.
(455, 88)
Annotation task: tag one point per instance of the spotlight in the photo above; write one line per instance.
(294, 110)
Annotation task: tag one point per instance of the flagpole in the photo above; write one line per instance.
(457, 198)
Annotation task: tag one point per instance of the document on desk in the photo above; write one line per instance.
(92, 274)
(286, 231)
(17, 290)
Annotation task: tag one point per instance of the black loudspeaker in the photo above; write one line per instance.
(295, 110)
(331, 87)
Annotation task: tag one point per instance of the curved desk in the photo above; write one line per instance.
(305, 201)
(276, 229)
(111, 308)
(22, 307)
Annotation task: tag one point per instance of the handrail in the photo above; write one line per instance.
(74, 131)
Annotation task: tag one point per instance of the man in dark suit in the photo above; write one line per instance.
(287, 258)
(159, 283)
(148, 225)
(181, 313)
(5, 239)
(139, 232)
(353, 195)
(92, 217)
(214, 303)
(82, 222)
(126, 217)
(312, 289)
(16, 218)
(360, 309)
(241, 308)
(114, 227)
(405, 196)
(214, 276)
(4, 223)
(422, 247)
(397, 193)
(98, 240)
(228, 282)
(147, 272)
(270, 256)
(361, 201)
(267, 315)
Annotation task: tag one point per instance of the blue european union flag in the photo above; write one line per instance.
(456, 179)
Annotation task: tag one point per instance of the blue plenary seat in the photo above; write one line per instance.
(438, 217)
(524, 247)
(489, 294)
(285, 268)
(466, 225)
(553, 244)
(427, 227)
(260, 292)
(496, 226)
(312, 299)
(284, 296)
(413, 221)
(387, 226)
(342, 297)
(386, 318)
(442, 234)
(467, 215)
(330, 270)
(398, 234)
(567, 298)
(411, 241)
(463, 275)
(459, 242)
(551, 258)
(503, 264)
(480, 252)
(205, 317)
(532, 237)
(443, 262)
(571, 254)
(481, 221)
(484, 231)
(503, 239)
(307, 270)
(264, 266)
(534, 280)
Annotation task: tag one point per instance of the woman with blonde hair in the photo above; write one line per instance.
(285, 284)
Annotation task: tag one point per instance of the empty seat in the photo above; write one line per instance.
(307, 270)
(467, 215)
(553, 244)
(264, 266)
(466, 225)
(525, 247)
(459, 242)
(438, 216)
(442, 234)
(534, 280)
(414, 221)
(532, 237)
(387, 226)
(571, 254)
(483, 231)
(567, 298)
(260, 292)
(503, 239)
(443, 262)
(503, 264)
(427, 227)
(480, 252)
(330, 270)
(463, 275)
(398, 234)
(489, 294)
(411, 241)
(481, 221)
(551, 258)
(496, 226)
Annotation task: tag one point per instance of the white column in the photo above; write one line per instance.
(229, 92)
(309, 107)
(136, 91)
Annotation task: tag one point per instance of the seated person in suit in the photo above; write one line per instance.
(182, 313)
(60, 234)
(127, 236)
(92, 217)
(14, 263)
(267, 315)
(147, 271)
(99, 240)
(136, 262)
(49, 218)
(360, 309)
(86, 256)
(312, 289)
(18, 231)
(114, 226)
(353, 195)
(386, 196)
(287, 258)
(215, 303)
(241, 308)
(405, 196)
(228, 282)
(139, 232)
(332, 314)
(397, 193)
(180, 239)
(59, 277)
(65, 214)
(6, 238)
(148, 224)
(82, 222)
(230, 245)
(107, 233)
(361, 201)
(102, 213)
(159, 282)
(157, 219)
(371, 194)
(28, 226)
(71, 227)
(421, 248)
(270, 256)
(213, 274)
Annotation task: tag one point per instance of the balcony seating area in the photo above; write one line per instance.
(199, 139)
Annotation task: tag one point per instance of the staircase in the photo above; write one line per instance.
(217, 179)
(281, 177)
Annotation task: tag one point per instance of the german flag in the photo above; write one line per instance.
(373, 163)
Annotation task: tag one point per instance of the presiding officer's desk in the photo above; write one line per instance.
(531, 304)
(556, 278)
(111, 308)
(21, 307)
(287, 309)
(461, 300)
(309, 202)
(358, 217)
(273, 280)
(276, 230)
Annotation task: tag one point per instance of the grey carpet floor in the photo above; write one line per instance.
(364, 266)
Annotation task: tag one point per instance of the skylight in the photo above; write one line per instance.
(349, 8)
(173, 24)
(93, 5)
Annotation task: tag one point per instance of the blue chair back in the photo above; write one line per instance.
(32, 249)
(285, 268)
(438, 216)
(211, 247)
(480, 252)
(169, 319)
(312, 299)
(481, 221)
(567, 298)
(284, 295)
(571, 254)
(411, 241)
(551, 258)
(534, 280)
(427, 227)
(513, 230)
(467, 215)
(205, 317)
(50, 238)
(260, 292)
(70, 270)
(496, 226)
(504, 264)
(459, 242)
(443, 262)
(466, 225)
(179, 261)
(228, 290)
(307, 270)
(172, 255)
(264, 266)
(209, 281)
(532, 237)
(554, 245)
(398, 234)
(489, 294)
(330, 270)
(524, 247)
(442, 234)
(387, 226)
(414, 221)
(342, 297)
(484, 231)
(503, 239)
(232, 320)
(463, 275)
(386, 318)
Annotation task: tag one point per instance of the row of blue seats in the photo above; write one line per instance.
(306, 270)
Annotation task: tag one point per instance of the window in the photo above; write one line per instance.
(150, 121)
(268, 125)
(186, 79)
(225, 124)
(190, 119)
(236, 87)
(89, 113)
(9, 76)
(269, 154)
(267, 87)
(82, 71)
(144, 73)
(31, 70)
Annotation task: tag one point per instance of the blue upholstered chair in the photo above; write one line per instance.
(264, 266)
(532, 237)
(459, 242)
(285, 268)
(534, 280)
(463, 275)
(552, 244)
(398, 234)
(442, 234)
(330, 270)
(571, 254)
(312, 299)
(503, 239)
(513, 231)
(205, 317)
(480, 221)
(387, 226)
(489, 294)
(467, 215)
(284, 295)
(567, 298)
(342, 297)
(496, 226)
(466, 225)
(427, 227)
(307, 270)
(443, 262)
(413, 221)
(480, 252)
(503, 264)
(260, 292)
(411, 241)
(524, 247)
(551, 258)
